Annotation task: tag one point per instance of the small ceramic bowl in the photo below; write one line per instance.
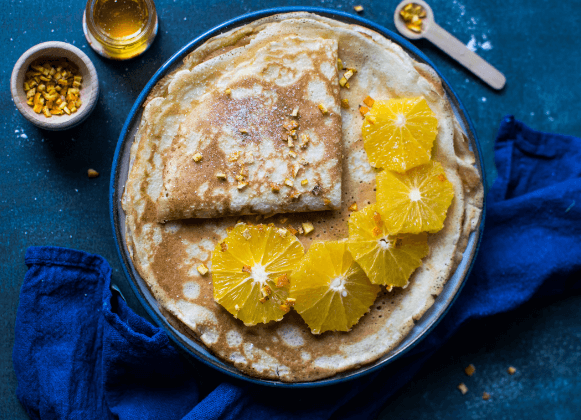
(89, 88)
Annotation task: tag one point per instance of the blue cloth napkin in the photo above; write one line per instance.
(81, 353)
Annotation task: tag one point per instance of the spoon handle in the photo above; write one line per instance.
(460, 52)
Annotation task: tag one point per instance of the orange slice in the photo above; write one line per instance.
(398, 134)
(250, 272)
(331, 291)
(415, 201)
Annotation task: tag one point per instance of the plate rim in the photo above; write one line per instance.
(115, 195)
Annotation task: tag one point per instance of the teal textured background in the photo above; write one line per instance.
(47, 199)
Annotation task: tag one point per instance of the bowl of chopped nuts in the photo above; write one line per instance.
(54, 85)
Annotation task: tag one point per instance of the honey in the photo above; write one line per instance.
(120, 29)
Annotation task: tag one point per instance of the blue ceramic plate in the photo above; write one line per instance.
(189, 343)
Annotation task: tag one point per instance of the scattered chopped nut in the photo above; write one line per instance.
(246, 233)
(371, 119)
(353, 207)
(240, 178)
(242, 185)
(292, 154)
(358, 8)
(202, 269)
(247, 269)
(412, 15)
(221, 176)
(243, 131)
(223, 246)
(290, 301)
(345, 103)
(308, 227)
(485, 396)
(316, 190)
(295, 112)
(290, 125)
(249, 158)
(91, 173)
(303, 162)
(301, 230)
(363, 110)
(326, 201)
(323, 109)
(228, 91)
(283, 219)
(197, 157)
(369, 101)
(349, 73)
(282, 281)
(296, 169)
(288, 182)
(463, 388)
(266, 290)
(233, 157)
(292, 230)
(284, 307)
(339, 64)
(470, 369)
(263, 300)
(304, 182)
(290, 142)
(304, 141)
(511, 370)
(343, 82)
(274, 187)
(282, 232)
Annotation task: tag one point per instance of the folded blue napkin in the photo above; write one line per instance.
(81, 353)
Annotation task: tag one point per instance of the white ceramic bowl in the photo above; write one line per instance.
(89, 88)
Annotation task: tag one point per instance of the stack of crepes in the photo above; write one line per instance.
(216, 146)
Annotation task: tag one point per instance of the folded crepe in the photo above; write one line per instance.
(261, 133)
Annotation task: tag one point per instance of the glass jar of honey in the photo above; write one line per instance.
(120, 29)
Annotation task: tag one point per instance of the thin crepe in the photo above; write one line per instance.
(166, 255)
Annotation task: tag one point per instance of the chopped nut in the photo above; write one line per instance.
(295, 112)
(358, 8)
(485, 396)
(288, 182)
(290, 142)
(470, 369)
(316, 190)
(308, 227)
(296, 170)
(91, 173)
(345, 103)
(295, 195)
(282, 281)
(339, 64)
(304, 141)
(233, 157)
(263, 300)
(243, 131)
(249, 158)
(284, 307)
(349, 73)
(301, 230)
(223, 246)
(292, 154)
(197, 157)
(243, 171)
(228, 91)
(511, 370)
(266, 290)
(326, 201)
(242, 185)
(221, 176)
(371, 119)
(283, 219)
(290, 125)
(240, 178)
(246, 233)
(304, 182)
(463, 388)
(247, 269)
(202, 269)
(323, 109)
(303, 162)
(363, 110)
(353, 207)
(274, 187)
(282, 232)
(369, 101)
(290, 301)
(292, 230)
(343, 82)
